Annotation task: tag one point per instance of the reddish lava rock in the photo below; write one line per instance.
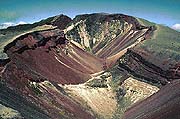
(49, 56)
(45, 58)
(162, 105)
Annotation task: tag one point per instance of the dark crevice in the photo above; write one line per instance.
(3, 62)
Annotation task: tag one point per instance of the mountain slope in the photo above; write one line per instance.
(94, 66)
(107, 35)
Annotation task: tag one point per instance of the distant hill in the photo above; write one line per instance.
(12, 32)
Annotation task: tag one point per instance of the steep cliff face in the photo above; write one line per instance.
(97, 33)
(108, 36)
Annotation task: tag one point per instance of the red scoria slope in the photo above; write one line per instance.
(162, 105)
(49, 55)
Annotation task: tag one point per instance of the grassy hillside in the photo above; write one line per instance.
(165, 42)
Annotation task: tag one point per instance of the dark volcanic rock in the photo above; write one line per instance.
(3, 62)
(139, 65)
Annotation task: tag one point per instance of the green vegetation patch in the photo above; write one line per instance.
(165, 42)
(98, 83)
(36, 88)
